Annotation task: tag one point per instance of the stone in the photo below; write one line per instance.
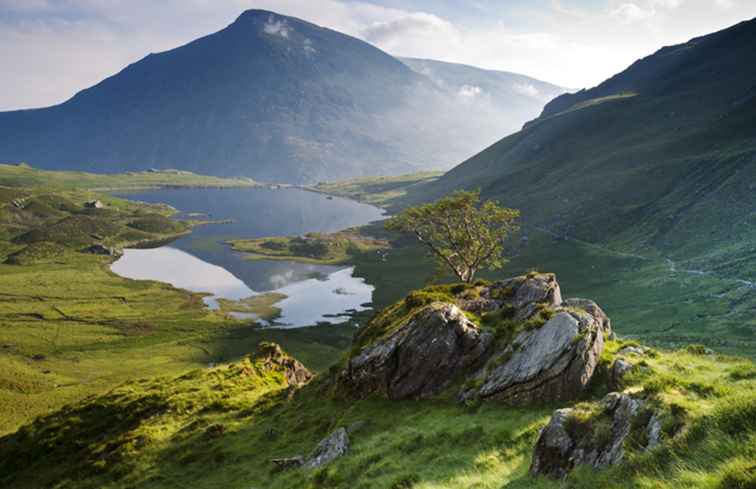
(594, 310)
(273, 357)
(560, 448)
(617, 371)
(632, 350)
(94, 204)
(329, 449)
(420, 359)
(541, 288)
(553, 362)
(100, 249)
(288, 462)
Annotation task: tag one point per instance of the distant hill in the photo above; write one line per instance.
(513, 97)
(270, 97)
(659, 159)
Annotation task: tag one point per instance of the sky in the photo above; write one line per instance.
(51, 49)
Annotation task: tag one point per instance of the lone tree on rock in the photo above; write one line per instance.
(463, 233)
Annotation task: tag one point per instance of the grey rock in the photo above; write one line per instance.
(94, 204)
(99, 249)
(274, 358)
(558, 450)
(329, 449)
(288, 462)
(632, 350)
(540, 288)
(618, 370)
(420, 359)
(594, 310)
(553, 362)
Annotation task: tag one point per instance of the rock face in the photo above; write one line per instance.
(419, 359)
(569, 440)
(553, 362)
(99, 249)
(329, 449)
(594, 310)
(274, 358)
(543, 350)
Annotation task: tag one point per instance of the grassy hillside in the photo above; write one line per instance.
(660, 160)
(69, 327)
(655, 167)
(221, 426)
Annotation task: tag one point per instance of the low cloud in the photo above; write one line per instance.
(469, 91)
(527, 89)
(276, 28)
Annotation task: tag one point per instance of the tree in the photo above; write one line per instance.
(462, 233)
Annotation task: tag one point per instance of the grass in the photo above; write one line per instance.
(378, 191)
(315, 248)
(219, 427)
(26, 176)
(70, 328)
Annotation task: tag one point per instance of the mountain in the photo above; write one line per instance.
(270, 97)
(660, 159)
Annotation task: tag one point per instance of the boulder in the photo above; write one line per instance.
(274, 358)
(100, 249)
(617, 371)
(329, 449)
(632, 350)
(569, 440)
(94, 204)
(288, 462)
(420, 359)
(594, 310)
(548, 363)
(542, 288)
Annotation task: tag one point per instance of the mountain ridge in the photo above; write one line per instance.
(270, 97)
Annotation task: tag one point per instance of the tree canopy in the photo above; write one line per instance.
(461, 232)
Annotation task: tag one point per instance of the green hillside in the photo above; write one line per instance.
(656, 163)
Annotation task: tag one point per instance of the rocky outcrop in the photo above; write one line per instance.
(273, 357)
(597, 439)
(594, 310)
(329, 449)
(549, 363)
(100, 249)
(617, 372)
(421, 358)
(543, 350)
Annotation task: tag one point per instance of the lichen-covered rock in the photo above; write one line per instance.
(571, 439)
(542, 288)
(533, 346)
(274, 358)
(617, 371)
(329, 449)
(548, 363)
(632, 350)
(420, 359)
(594, 310)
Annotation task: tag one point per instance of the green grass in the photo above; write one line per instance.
(378, 191)
(317, 248)
(26, 176)
(220, 427)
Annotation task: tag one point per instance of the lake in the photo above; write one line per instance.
(201, 262)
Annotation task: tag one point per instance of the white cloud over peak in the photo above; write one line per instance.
(630, 13)
(469, 91)
(276, 28)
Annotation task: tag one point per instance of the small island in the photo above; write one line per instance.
(315, 248)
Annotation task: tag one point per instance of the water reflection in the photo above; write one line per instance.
(202, 263)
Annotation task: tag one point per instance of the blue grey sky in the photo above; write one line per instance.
(50, 49)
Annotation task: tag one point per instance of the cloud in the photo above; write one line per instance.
(469, 91)
(276, 28)
(50, 49)
(527, 89)
(630, 13)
